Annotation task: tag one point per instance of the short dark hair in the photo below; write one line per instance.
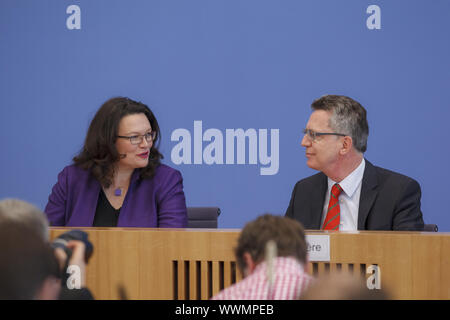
(288, 234)
(347, 116)
(26, 261)
(99, 152)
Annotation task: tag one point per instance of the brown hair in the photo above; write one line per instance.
(99, 152)
(26, 261)
(287, 233)
(347, 117)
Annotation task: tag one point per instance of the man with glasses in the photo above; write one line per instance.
(349, 193)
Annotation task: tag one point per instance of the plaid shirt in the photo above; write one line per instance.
(290, 281)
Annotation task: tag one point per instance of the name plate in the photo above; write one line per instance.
(318, 247)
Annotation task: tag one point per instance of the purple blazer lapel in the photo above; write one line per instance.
(84, 201)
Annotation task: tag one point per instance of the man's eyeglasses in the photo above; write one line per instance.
(313, 134)
(135, 140)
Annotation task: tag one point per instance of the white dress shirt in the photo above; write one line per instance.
(348, 199)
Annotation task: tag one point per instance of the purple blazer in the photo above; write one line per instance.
(149, 203)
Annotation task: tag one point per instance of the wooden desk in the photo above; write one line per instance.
(197, 263)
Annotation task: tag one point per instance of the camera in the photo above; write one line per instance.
(62, 240)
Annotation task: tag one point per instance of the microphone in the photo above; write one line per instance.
(271, 254)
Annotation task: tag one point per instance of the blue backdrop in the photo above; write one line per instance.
(228, 64)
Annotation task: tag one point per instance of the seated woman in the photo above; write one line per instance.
(117, 178)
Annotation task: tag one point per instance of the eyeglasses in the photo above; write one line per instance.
(135, 140)
(313, 135)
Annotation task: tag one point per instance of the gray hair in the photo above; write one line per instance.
(347, 117)
(24, 213)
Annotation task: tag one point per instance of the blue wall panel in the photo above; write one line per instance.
(254, 64)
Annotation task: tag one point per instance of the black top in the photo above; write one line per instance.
(105, 214)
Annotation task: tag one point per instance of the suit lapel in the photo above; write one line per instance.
(368, 194)
(317, 201)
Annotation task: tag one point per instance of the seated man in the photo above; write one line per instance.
(349, 193)
(280, 277)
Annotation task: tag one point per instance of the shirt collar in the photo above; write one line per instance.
(352, 181)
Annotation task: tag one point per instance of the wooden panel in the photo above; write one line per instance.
(204, 280)
(321, 268)
(444, 269)
(192, 280)
(215, 277)
(334, 267)
(227, 274)
(181, 281)
(413, 265)
(426, 270)
(345, 268)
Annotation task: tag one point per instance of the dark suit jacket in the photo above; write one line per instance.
(388, 201)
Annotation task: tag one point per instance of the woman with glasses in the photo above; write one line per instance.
(117, 179)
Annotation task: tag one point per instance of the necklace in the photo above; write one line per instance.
(118, 192)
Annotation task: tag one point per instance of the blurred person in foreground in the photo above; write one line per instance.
(349, 193)
(117, 179)
(271, 255)
(28, 267)
(342, 286)
(17, 215)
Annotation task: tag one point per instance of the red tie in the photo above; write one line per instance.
(334, 211)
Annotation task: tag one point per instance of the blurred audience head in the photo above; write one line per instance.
(23, 213)
(28, 266)
(287, 234)
(341, 286)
